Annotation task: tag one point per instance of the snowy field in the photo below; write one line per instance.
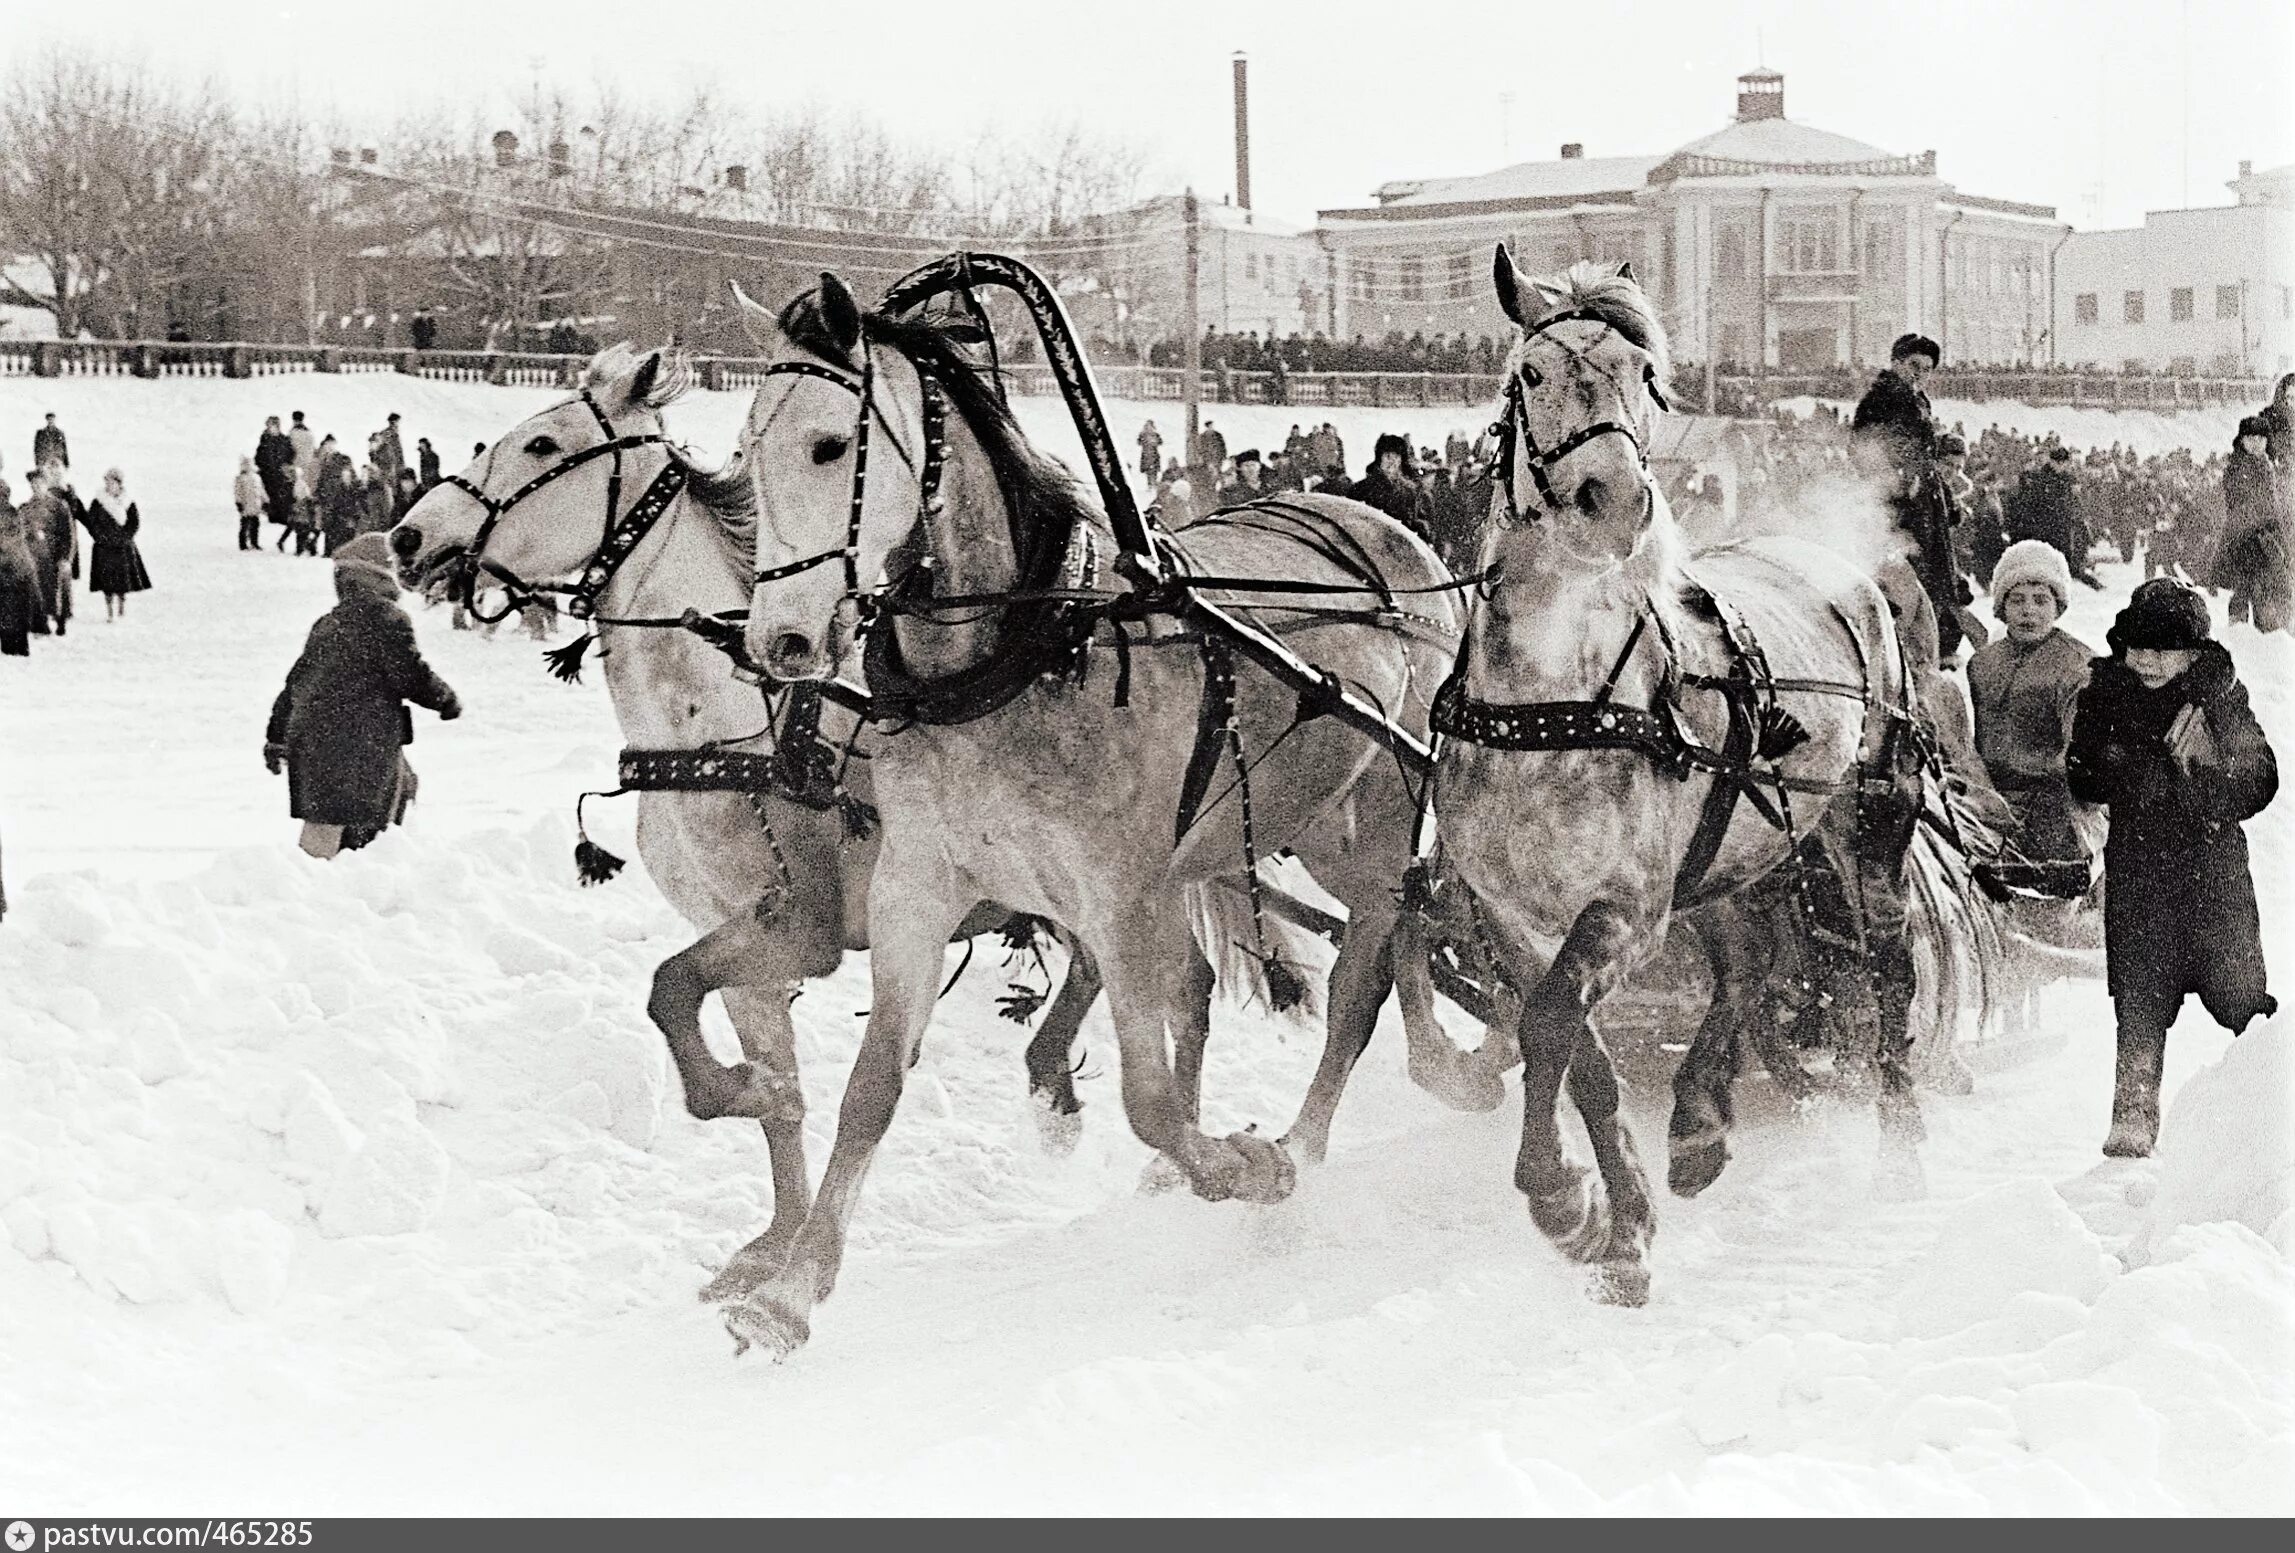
(364, 1187)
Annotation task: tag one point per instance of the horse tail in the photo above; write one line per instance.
(1220, 916)
(1958, 963)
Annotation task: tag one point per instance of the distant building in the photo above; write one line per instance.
(2210, 290)
(1767, 242)
(1256, 274)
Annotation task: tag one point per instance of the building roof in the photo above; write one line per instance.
(1781, 142)
(1568, 178)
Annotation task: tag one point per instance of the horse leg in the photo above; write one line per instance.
(1149, 981)
(1883, 841)
(1051, 1070)
(1358, 989)
(1697, 1138)
(747, 949)
(760, 1018)
(908, 936)
(1462, 1080)
(1191, 1033)
(1613, 1229)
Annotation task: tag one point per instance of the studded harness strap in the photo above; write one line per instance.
(622, 531)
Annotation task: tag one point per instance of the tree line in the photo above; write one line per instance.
(139, 205)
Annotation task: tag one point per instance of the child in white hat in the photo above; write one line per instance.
(2023, 688)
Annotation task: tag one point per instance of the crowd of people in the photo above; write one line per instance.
(41, 556)
(319, 497)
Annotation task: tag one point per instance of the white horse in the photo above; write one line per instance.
(778, 887)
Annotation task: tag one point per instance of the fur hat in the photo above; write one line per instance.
(1248, 456)
(1391, 442)
(2032, 560)
(367, 556)
(2163, 613)
(1950, 446)
(2251, 426)
(1917, 345)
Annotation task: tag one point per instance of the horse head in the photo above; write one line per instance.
(1584, 385)
(836, 444)
(534, 505)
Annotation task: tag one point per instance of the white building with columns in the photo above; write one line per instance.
(1767, 242)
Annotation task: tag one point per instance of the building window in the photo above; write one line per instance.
(2179, 305)
(1414, 279)
(1808, 242)
(1362, 272)
(1462, 275)
(1884, 251)
(2132, 307)
(1729, 251)
(1251, 266)
(2227, 301)
(2084, 308)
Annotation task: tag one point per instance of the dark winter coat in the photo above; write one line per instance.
(1894, 417)
(2179, 901)
(22, 608)
(115, 565)
(428, 473)
(341, 716)
(2045, 510)
(1403, 500)
(389, 457)
(341, 497)
(48, 446)
(2252, 560)
(55, 542)
(2279, 435)
(275, 463)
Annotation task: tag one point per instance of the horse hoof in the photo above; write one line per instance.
(1564, 1212)
(766, 1324)
(1268, 1175)
(1057, 1132)
(1623, 1283)
(1160, 1177)
(744, 1271)
(1457, 1079)
(1693, 1168)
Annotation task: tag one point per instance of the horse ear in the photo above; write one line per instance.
(1508, 280)
(757, 319)
(1626, 270)
(840, 313)
(643, 380)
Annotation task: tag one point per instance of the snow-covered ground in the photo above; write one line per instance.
(364, 1186)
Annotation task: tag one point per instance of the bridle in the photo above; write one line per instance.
(620, 536)
(935, 417)
(1513, 427)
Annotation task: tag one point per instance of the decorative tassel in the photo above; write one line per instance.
(566, 662)
(1021, 1003)
(1021, 933)
(860, 820)
(1778, 734)
(594, 863)
(1286, 989)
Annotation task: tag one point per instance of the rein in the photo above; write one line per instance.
(621, 535)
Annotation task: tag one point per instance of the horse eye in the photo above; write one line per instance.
(1531, 377)
(542, 447)
(828, 450)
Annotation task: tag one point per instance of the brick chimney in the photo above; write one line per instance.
(1572, 151)
(1760, 95)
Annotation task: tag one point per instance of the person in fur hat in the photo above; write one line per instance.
(2252, 559)
(2023, 688)
(1391, 485)
(338, 726)
(2164, 738)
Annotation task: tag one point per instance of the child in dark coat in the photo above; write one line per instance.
(338, 726)
(2164, 736)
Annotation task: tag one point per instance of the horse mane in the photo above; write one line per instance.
(1044, 498)
(725, 493)
(1617, 300)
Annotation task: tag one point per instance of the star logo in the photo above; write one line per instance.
(19, 1536)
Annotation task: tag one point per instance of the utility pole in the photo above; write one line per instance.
(1191, 359)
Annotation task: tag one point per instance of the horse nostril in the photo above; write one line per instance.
(406, 541)
(790, 647)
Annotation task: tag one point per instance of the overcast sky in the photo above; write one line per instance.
(2083, 105)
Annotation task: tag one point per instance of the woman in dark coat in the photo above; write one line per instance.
(2164, 737)
(22, 609)
(339, 724)
(115, 565)
(341, 498)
